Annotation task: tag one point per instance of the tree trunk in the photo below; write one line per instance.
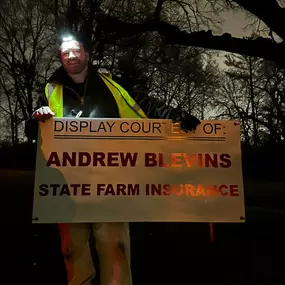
(251, 86)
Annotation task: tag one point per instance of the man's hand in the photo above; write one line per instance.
(187, 122)
(43, 113)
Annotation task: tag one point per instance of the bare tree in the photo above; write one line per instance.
(27, 49)
(10, 110)
(201, 17)
(231, 104)
(253, 92)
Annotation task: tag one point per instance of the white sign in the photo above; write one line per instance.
(125, 170)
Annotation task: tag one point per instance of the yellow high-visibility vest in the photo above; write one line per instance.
(128, 108)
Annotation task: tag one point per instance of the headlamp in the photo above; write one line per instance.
(67, 38)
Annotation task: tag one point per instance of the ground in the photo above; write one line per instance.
(249, 253)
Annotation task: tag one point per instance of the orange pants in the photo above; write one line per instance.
(113, 249)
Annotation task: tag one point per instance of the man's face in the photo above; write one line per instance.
(73, 57)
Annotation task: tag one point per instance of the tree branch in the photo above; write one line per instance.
(260, 47)
(158, 9)
(268, 11)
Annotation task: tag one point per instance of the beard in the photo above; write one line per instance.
(75, 67)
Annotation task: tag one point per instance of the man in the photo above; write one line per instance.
(76, 89)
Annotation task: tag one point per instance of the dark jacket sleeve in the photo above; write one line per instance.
(31, 125)
(157, 109)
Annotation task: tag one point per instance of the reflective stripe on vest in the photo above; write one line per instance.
(55, 99)
(127, 106)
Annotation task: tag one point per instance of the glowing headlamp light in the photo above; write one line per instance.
(67, 38)
(68, 42)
